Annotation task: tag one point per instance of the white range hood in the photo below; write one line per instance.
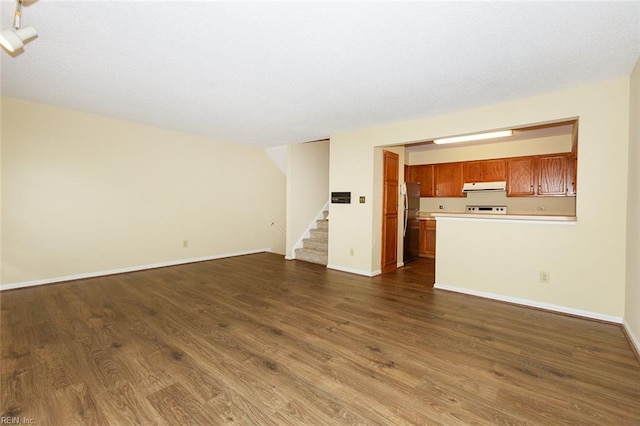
(484, 186)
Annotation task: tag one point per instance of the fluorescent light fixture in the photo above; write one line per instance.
(474, 137)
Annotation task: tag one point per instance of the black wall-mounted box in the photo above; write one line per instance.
(340, 198)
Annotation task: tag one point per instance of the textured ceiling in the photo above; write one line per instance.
(268, 73)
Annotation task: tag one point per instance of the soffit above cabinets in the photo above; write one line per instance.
(538, 131)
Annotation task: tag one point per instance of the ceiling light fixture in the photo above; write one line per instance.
(474, 137)
(14, 39)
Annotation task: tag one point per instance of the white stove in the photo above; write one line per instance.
(487, 209)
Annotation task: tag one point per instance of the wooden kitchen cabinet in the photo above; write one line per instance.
(427, 238)
(448, 180)
(521, 176)
(472, 171)
(530, 176)
(484, 170)
(572, 175)
(552, 174)
(411, 174)
(422, 174)
(544, 175)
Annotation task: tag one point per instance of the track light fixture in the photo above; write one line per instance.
(14, 39)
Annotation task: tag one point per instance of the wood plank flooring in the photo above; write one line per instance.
(259, 340)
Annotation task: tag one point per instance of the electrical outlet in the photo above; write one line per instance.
(545, 277)
(185, 243)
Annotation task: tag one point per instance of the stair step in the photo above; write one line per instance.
(315, 249)
(313, 256)
(308, 243)
(319, 234)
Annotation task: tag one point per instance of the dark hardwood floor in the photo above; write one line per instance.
(260, 340)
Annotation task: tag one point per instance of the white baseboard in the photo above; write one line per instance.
(633, 339)
(12, 286)
(354, 271)
(531, 303)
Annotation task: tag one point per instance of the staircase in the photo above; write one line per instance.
(315, 249)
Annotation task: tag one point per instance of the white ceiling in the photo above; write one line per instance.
(271, 73)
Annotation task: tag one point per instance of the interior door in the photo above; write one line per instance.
(391, 164)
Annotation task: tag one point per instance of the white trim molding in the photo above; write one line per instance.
(354, 271)
(532, 303)
(633, 339)
(23, 284)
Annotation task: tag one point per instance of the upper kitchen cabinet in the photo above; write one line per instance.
(545, 175)
(448, 180)
(572, 175)
(552, 175)
(485, 171)
(520, 177)
(423, 175)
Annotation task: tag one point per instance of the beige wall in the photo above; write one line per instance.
(85, 194)
(586, 260)
(632, 306)
(307, 188)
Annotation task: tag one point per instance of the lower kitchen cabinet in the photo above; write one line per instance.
(427, 238)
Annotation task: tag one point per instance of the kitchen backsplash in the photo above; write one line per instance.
(561, 206)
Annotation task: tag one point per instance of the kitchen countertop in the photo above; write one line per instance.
(532, 217)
